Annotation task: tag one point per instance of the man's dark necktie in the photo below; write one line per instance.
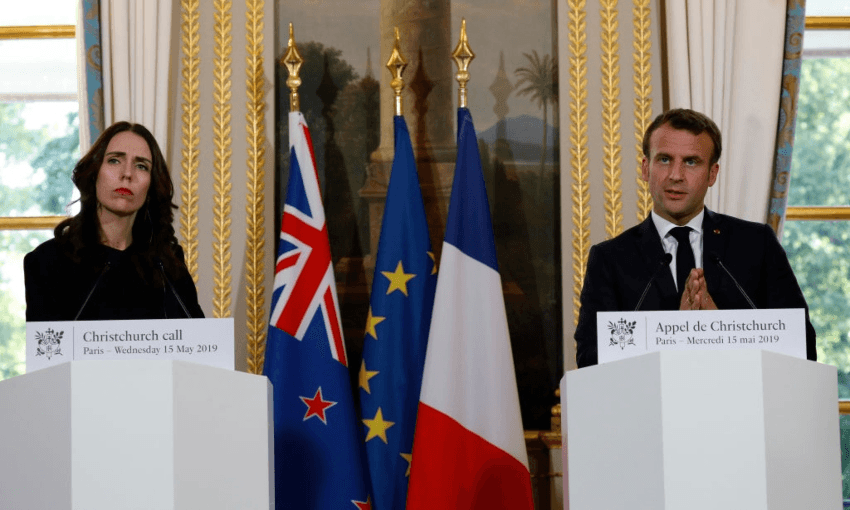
(684, 256)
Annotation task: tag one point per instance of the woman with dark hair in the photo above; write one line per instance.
(118, 257)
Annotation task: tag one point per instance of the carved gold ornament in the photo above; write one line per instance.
(222, 141)
(643, 101)
(189, 30)
(611, 158)
(255, 206)
(577, 28)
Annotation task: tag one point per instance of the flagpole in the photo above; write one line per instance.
(292, 59)
(462, 55)
(396, 65)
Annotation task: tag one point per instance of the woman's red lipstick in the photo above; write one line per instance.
(123, 191)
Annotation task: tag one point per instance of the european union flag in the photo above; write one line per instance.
(397, 329)
(318, 454)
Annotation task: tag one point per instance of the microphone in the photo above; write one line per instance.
(663, 263)
(719, 262)
(173, 290)
(96, 283)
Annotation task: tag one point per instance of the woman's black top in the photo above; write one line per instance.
(104, 285)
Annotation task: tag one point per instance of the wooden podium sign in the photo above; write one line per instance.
(622, 335)
(204, 341)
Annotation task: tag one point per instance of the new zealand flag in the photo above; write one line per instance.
(318, 455)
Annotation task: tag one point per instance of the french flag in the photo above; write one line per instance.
(469, 450)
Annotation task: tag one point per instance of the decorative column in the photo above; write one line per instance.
(425, 39)
(501, 88)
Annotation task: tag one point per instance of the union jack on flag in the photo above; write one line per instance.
(304, 278)
(317, 449)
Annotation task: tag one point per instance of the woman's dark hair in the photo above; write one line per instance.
(689, 120)
(154, 241)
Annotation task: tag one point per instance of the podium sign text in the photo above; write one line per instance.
(623, 335)
(205, 341)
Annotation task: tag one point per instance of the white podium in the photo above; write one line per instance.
(742, 430)
(91, 435)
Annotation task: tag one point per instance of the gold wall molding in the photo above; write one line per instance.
(255, 207)
(39, 32)
(222, 140)
(578, 145)
(190, 36)
(30, 222)
(611, 158)
(816, 213)
(643, 100)
(827, 22)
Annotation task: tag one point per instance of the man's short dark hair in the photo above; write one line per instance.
(688, 120)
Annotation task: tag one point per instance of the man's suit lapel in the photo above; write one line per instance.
(653, 253)
(714, 237)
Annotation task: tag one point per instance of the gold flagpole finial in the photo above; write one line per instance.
(292, 59)
(462, 56)
(396, 65)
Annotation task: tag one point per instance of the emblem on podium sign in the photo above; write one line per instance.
(49, 343)
(622, 333)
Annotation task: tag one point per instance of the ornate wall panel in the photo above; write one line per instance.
(595, 37)
(190, 44)
(611, 118)
(222, 141)
(642, 76)
(224, 179)
(578, 162)
(256, 210)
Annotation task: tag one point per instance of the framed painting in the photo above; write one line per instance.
(347, 101)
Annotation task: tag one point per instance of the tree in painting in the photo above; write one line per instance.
(539, 81)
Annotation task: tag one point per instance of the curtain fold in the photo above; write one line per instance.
(89, 79)
(136, 37)
(794, 27)
(725, 59)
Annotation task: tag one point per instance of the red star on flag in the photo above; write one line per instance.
(361, 505)
(316, 406)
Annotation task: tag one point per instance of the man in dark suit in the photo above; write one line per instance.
(681, 152)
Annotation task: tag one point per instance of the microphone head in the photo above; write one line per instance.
(715, 258)
(665, 261)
